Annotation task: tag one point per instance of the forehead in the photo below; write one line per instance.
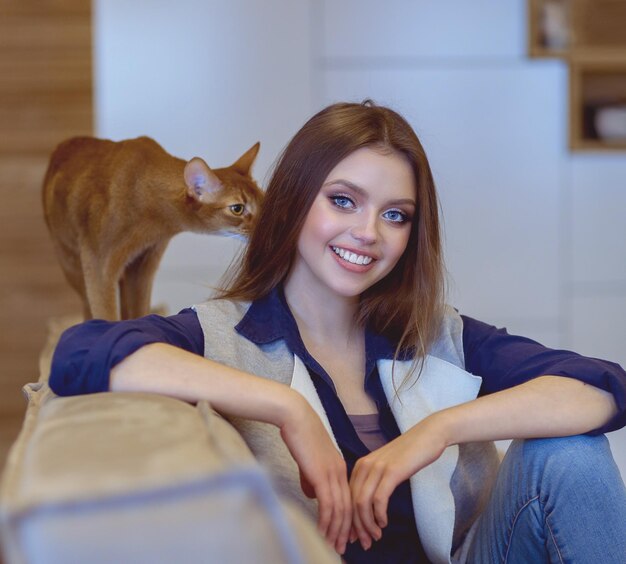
(375, 170)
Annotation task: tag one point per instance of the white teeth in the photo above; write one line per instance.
(352, 257)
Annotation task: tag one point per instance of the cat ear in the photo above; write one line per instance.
(201, 181)
(245, 162)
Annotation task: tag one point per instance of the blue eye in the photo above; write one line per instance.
(342, 201)
(396, 216)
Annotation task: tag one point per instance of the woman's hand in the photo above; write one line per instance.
(168, 370)
(560, 406)
(377, 475)
(323, 472)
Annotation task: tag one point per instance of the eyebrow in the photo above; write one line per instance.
(361, 192)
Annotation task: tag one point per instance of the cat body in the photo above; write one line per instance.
(112, 207)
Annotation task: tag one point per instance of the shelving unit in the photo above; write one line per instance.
(598, 25)
(549, 28)
(598, 103)
(590, 36)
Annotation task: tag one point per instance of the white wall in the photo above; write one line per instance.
(535, 236)
(207, 78)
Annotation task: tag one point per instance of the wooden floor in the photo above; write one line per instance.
(45, 97)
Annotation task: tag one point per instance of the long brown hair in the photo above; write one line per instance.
(406, 305)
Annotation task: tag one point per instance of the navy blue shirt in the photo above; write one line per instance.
(87, 352)
(270, 319)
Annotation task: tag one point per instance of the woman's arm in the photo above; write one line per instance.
(528, 391)
(548, 406)
(505, 361)
(165, 355)
(164, 369)
(86, 353)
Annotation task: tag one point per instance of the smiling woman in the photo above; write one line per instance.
(355, 232)
(378, 151)
(333, 329)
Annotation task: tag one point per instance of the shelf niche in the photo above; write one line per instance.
(597, 104)
(590, 37)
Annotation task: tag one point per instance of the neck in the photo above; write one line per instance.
(322, 317)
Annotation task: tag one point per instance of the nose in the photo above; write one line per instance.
(365, 229)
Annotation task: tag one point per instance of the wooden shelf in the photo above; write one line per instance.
(598, 25)
(598, 102)
(590, 37)
(561, 28)
(549, 28)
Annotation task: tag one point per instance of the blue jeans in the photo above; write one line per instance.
(555, 500)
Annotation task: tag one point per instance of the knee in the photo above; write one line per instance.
(568, 447)
(577, 459)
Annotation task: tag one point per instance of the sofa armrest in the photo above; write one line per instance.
(131, 477)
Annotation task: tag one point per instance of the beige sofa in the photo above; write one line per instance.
(120, 477)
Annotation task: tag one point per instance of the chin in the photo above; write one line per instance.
(350, 290)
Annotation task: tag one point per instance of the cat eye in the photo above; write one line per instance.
(237, 209)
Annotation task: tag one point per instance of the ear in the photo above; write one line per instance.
(245, 162)
(201, 181)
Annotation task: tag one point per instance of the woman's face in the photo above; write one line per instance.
(359, 224)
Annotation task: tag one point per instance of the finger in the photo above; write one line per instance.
(334, 527)
(359, 474)
(363, 536)
(380, 499)
(353, 533)
(325, 508)
(364, 501)
(346, 523)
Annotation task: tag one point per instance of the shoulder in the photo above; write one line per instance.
(218, 320)
(449, 344)
(218, 311)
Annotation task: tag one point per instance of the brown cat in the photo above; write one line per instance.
(112, 207)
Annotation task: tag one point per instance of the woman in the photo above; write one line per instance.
(333, 331)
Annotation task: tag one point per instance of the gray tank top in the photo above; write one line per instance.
(368, 430)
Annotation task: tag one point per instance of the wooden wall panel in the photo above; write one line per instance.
(45, 97)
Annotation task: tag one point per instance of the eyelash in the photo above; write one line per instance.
(336, 197)
(403, 216)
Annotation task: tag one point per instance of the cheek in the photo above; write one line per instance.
(400, 242)
(319, 226)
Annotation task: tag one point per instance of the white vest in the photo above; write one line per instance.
(447, 495)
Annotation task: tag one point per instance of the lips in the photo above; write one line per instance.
(351, 257)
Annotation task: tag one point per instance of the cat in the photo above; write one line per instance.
(112, 206)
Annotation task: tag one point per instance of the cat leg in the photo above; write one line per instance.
(124, 297)
(100, 286)
(77, 281)
(72, 269)
(136, 283)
